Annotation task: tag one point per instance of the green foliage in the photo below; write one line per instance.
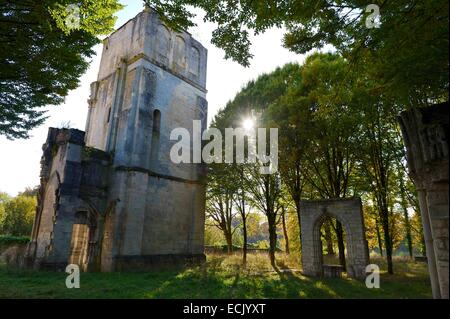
(96, 17)
(213, 236)
(18, 216)
(407, 55)
(337, 139)
(11, 240)
(41, 59)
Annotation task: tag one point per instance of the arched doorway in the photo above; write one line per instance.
(349, 213)
(332, 240)
(83, 241)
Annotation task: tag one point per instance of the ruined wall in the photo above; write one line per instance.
(137, 207)
(61, 196)
(425, 132)
(159, 85)
(173, 62)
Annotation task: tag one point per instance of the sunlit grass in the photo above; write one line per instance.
(223, 276)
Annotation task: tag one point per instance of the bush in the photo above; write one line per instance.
(12, 240)
(17, 216)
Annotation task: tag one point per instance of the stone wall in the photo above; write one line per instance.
(137, 205)
(425, 133)
(68, 185)
(349, 213)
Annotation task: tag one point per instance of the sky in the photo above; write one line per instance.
(20, 159)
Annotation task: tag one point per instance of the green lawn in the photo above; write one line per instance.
(221, 277)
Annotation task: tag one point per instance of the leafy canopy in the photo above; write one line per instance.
(407, 54)
(42, 58)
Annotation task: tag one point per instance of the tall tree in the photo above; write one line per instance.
(380, 148)
(406, 218)
(285, 114)
(44, 53)
(220, 201)
(285, 232)
(242, 201)
(265, 192)
(323, 99)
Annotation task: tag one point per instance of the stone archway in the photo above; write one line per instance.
(83, 242)
(349, 213)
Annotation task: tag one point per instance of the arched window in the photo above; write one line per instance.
(154, 152)
(194, 61)
(180, 52)
(156, 121)
(163, 41)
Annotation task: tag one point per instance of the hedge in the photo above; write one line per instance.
(11, 240)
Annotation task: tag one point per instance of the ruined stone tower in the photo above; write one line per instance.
(110, 198)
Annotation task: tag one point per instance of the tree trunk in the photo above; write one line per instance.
(408, 232)
(244, 246)
(272, 240)
(341, 246)
(423, 244)
(380, 243)
(328, 237)
(229, 239)
(285, 233)
(387, 237)
(406, 217)
(297, 208)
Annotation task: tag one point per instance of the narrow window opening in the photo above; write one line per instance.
(155, 136)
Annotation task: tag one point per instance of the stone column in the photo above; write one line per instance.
(425, 132)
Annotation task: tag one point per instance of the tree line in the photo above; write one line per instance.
(17, 213)
(336, 140)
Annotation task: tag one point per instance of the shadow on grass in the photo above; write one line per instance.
(218, 278)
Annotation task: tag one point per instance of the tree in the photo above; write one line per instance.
(408, 50)
(285, 114)
(219, 203)
(380, 148)
(43, 57)
(406, 218)
(4, 198)
(30, 191)
(373, 232)
(213, 236)
(265, 191)
(285, 232)
(19, 216)
(241, 201)
(325, 123)
(417, 232)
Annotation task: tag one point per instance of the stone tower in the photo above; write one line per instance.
(111, 199)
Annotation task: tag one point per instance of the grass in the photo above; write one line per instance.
(221, 277)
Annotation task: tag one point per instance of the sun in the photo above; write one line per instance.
(248, 124)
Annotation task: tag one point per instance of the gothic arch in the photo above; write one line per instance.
(194, 63)
(163, 43)
(85, 236)
(349, 213)
(180, 51)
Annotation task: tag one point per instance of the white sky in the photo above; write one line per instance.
(20, 159)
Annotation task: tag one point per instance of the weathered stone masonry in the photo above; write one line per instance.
(349, 213)
(110, 198)
(425, 132)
